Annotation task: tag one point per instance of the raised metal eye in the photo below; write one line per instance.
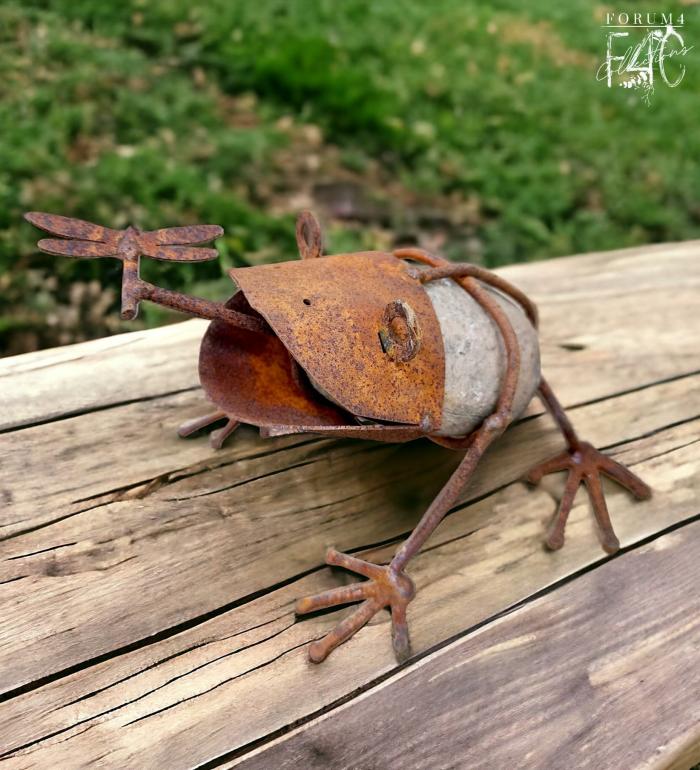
(399, 333)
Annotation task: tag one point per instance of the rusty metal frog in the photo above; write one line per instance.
(372, 345)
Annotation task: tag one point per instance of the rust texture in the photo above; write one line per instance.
(329, 312)
(384, 588)
(268, 387)
(309, 238)
(348, 346)
(391, 434)
(400, 333)
(85, 239)
(389, 586)
(444, 269)
(584, 464)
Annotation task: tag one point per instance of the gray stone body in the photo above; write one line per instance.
(475, 357)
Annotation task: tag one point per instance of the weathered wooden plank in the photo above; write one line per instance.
(240, 676)
(91, 375)
(84, 461)
(213, 538)
(139, 438)
(627, 309)
(601, 673)
(587, 309)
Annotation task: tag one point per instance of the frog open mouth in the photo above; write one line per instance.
(363, 330)
(254, 379)
(397, 354)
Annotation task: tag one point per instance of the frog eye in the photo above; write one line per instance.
(399, 333)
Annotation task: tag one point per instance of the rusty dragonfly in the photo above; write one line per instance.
(85, 239)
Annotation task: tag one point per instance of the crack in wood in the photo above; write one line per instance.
(221, 683)
(241, 483)
(42, 550)
(668, 451)
(626, 392)
(365, 449)
(122, 494)
(12, 579)
(70, 359)
(197, 620)
(94, 409)
(656, 432)
(375, 682)
(97, 718)
(152, 639)
(167, 658)
(180, 474)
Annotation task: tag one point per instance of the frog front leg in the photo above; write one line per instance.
(388, 586)
(216, 437)
(584, 464)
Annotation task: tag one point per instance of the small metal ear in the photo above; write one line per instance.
(309, 238)
(400, 332)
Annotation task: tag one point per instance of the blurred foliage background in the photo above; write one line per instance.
(479, 132)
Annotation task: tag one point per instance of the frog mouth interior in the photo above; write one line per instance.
(254, 378)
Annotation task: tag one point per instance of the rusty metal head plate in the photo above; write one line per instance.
(252, 377)
(361, 326)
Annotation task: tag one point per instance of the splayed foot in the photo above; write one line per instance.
(585, 464)
(217, 437)
(386, 587)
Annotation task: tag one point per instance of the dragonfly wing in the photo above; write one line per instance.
(178, 253)
(76, 248)
(72, 228)
(186, 235)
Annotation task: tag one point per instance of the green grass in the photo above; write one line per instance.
(480, 130)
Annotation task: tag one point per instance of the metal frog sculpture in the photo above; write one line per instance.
(373, 345)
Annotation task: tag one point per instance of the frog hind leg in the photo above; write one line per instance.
(585, 464)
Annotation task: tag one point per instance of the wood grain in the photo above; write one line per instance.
(119, 453)
(99, 373)
(213, 538)
(547, 686)
(147, 583)
(630, 316)
(184, 694)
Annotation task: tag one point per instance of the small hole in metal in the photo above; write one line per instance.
(307, 301)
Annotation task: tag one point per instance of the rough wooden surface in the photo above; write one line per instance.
(147, 583)
(591, 652)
